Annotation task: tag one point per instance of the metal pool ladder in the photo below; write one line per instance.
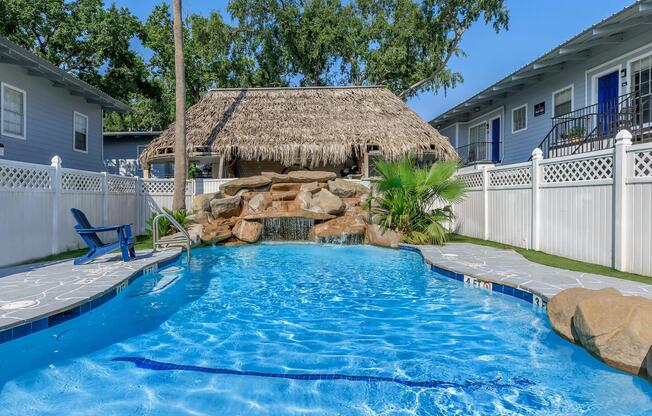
(182, 240)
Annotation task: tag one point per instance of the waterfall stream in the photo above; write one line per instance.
(287, 228)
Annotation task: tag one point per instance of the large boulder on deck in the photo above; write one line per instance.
(327, 202)
(251, 182)
(226, 207)
(347, 189)
(306, 176)
(202, 202)
(561, 309)
(616, 329)
(248, 231)
(345, 230)
(376, 236)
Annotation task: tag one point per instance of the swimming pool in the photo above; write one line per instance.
(294, 329)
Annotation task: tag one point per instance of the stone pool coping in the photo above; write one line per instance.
(38, 296)
(506, 271)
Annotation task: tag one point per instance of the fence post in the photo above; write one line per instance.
(623, 141)
(105, 198)
(139, 208)
(537, 157)
(485, 203)
(56, 202)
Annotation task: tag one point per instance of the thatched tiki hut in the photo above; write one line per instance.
(242, 132)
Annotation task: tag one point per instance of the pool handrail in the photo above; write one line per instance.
(157, 242)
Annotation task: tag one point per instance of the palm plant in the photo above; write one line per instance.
(164, 225)
(415, 201)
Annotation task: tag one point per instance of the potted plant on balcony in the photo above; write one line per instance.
(574, 135)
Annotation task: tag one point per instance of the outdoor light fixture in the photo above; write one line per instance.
(476, 109)
(623, 73)
(2, 150)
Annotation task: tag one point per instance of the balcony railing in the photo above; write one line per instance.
(595, 127)
(477, 152)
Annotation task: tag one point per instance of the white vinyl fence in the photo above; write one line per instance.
(593, 207)
(35, 202)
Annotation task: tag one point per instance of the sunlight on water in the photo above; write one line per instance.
(284, 329)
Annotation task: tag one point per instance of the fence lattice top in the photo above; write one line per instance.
(16, 177)
(472, 180)
(511, 177)
(579, 170)
(121, 184)
(73, 181)
(643, 163)
(158, 187)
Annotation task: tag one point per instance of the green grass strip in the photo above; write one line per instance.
(555, 261)
(142, 243)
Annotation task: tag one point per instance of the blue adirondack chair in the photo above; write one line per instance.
(97, 248)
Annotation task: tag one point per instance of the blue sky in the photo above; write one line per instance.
(535, 27)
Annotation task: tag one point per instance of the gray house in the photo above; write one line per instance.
(122, 151)
(44, 111)
(571, 100)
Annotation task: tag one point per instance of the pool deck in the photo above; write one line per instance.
(36, 296)
(510, 268)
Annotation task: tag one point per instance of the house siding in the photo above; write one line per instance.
(120, 155)
(49, 127)
(519, 146)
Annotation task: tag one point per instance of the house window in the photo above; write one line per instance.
(478, 142)
(562, 102)
(478, 134)
(162, 170)
(80, 138)
(13, 111)
(642, 86)
(519, 119)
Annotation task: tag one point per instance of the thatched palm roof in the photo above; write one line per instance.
(306, 126)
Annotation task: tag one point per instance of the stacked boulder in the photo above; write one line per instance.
(616, 329)
(235, 215)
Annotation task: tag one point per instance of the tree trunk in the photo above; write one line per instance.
(180, 156)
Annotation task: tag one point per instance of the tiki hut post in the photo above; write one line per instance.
(364, 168)
(220, 168)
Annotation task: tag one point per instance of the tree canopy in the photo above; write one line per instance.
(405, 45)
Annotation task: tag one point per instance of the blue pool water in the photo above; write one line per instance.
(308, 329)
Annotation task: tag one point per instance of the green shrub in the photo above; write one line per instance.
(415, 201)
(165, 227)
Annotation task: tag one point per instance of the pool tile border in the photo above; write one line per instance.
(537, 300)
(88, 304)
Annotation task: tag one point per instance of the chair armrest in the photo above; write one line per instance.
(100, 229)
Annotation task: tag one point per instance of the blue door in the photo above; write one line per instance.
(608, 102)
(495, 140)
